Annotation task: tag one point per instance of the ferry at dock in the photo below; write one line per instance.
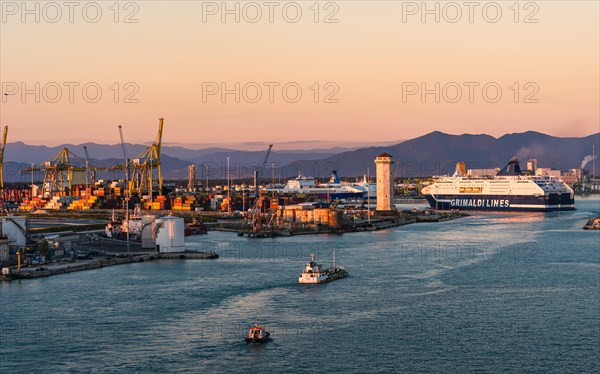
(334, 189)
(314, 273)
(510, 190)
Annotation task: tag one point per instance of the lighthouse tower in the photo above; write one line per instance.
(385, 182)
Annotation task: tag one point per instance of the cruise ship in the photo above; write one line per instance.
(331, 190)
(510, 190)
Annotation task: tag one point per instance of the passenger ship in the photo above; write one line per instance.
(510, 190)
(331, 190)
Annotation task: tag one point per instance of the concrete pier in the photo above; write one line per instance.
(80, 265)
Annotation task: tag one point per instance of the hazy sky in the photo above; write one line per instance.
(370, 68)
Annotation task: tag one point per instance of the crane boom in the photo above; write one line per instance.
(159, 137)
(158, 150)
(87, 155)
(2, 157)
(258, 172)
(124, 154)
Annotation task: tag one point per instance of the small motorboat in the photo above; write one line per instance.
(592, 224)
(257, 334)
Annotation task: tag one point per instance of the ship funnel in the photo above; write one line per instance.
(512, 168)
(334, 178)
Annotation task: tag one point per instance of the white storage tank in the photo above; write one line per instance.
(170, 234)
(148, 231)
(15, 229)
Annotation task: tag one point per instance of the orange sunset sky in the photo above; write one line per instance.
(373, 53)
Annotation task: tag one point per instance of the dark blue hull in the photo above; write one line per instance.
(550, 202)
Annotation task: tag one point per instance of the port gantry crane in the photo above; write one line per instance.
(144, 163)
(60, 172)
(5, 134)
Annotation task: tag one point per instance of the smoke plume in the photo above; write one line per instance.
(586, 160)
(530, 151)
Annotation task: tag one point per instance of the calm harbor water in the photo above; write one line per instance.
(491, 292)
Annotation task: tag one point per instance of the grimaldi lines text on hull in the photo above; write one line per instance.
(510, 190)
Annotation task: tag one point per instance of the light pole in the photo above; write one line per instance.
(206, 175)
(32, 165)
(228, 188)
(127, 219)
(151, 186)
(368, 197)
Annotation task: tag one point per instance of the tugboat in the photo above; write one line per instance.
(195, 228)
(592, 224)
(314, 273)
(257, 334)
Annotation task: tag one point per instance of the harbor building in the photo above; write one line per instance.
(310, 213)
(548, 171)
(191, 177)
(532, 165)
(385, 185)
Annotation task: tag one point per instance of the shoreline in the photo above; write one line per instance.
(119, 257)
(43, 271)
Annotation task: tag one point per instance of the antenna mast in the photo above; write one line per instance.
(368, 196)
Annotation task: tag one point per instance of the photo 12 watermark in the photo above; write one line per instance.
(50, 12)
(270, 11)
(469, 11)
(70, 92)
(470, 92)
(455, 252)
(270, 92)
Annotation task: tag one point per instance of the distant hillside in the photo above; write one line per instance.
(175, 159)
(21, 152)
(431, 154)
(437, 153)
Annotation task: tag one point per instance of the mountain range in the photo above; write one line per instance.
(437, 153)
(430, 154)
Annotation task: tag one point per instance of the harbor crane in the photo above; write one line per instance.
(124, 153)
(144, 164)
(256, 210)
(4, 135)
(61, 171)
(259, 169)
